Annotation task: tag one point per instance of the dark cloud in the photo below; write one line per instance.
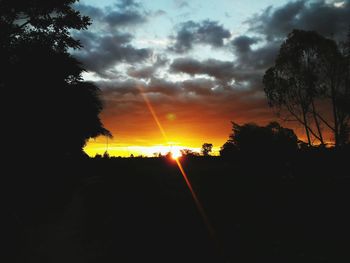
(273, 26)
(162, 87)
(125, 17)
(129, 13)
(127, 4)
(87, 39)
(147, 72)
(135, 87)
(199, 86)
(93, 12)
(321, 16)
(101, 53)
(260, 58)
(123, 14)
(220, 70)
(242, 44)
(206, 32)
(192, 101)
(142, 73)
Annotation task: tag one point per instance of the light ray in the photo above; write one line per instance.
(196, 200)
(154, 115)
(188, 183)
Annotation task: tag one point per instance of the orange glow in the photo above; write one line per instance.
(154, 115)
(188, 121)
(175, 154)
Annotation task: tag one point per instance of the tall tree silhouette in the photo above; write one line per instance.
(52, 109)
(308, 78)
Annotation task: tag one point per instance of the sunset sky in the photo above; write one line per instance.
(198, 64)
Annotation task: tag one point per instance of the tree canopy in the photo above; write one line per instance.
(253, 139)
(52, 108)
(308, 84)
(206, 149)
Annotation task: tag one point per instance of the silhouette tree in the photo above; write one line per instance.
(42, 81)
(344, 99)
(254, 140)
(188, 153)
(206, 149)
(229, 149)
(308, 75)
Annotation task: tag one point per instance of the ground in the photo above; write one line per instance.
(140, 210)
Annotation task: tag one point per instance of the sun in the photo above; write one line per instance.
(175, 154)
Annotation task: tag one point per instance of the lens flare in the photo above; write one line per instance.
(175, 155)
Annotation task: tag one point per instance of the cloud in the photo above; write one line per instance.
(242, 44)
(125, 18)
(206, 32)
(102, 53)
(260, 58)
(199, 86)
(93, 12)
(197, 106)
(129, 13)
(181, 4)
(273, 25)
(107, 43)
(220, 70)
(135, 87)
(126, 4)
(322, 16)
(147, 72)
(125, 13)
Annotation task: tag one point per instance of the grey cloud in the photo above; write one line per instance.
(132, 86)
(142, 73)
(125, 18)
(199, 86)
(125, 4)
(129, 13)
(242, 43)
(320, 16)
(86, 38)
(103, 52)
(260, 58)
(274, 24)
(93, 12)
(147, 72)
(220, 70)
(163, 86)
(206, 32)
(124, 13)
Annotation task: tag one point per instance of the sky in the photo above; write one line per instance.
(174, 74)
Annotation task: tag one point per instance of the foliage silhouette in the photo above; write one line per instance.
(42, 81)
(253, 140)
(189, 153)
(206, 149)
(310, 76)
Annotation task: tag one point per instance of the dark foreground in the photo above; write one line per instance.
(140, 210)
